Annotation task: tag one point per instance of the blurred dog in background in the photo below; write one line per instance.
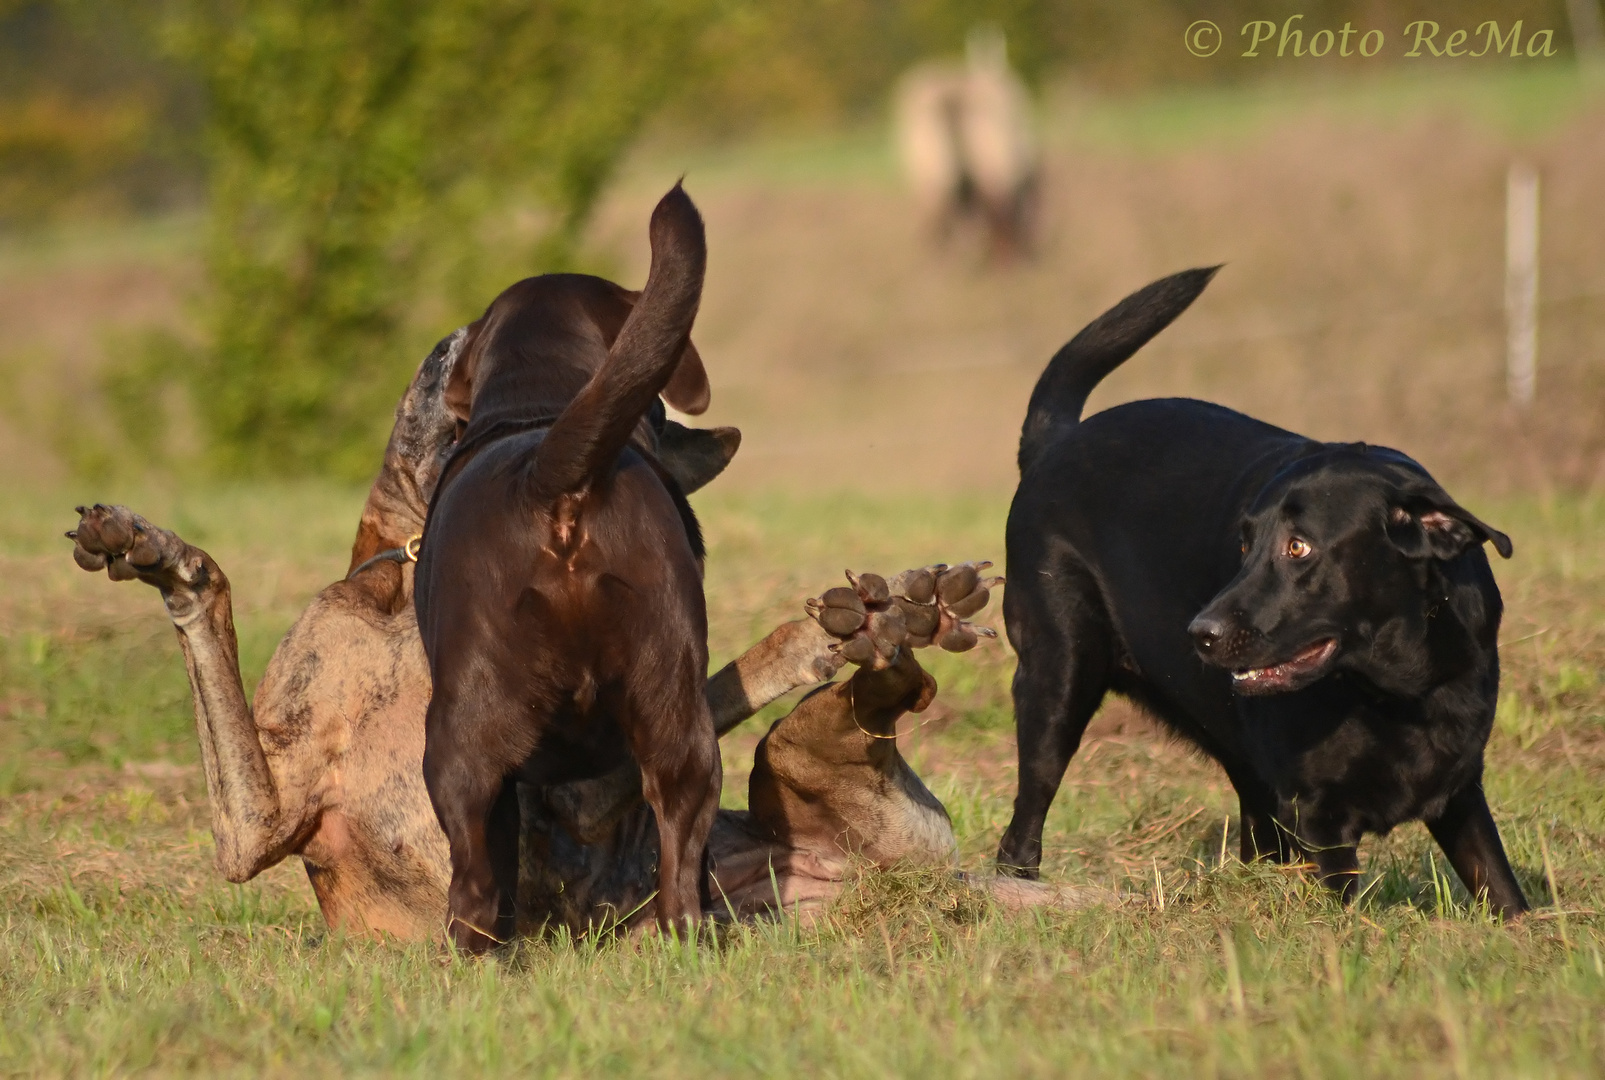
(964, 134)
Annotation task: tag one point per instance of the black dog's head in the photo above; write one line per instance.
(1354, 559)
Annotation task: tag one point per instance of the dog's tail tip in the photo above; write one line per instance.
(1101, 346)
(676, 218)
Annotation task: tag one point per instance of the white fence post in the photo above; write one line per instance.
(1521, 282)
(1588, 34)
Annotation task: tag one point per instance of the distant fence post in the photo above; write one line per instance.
(1521, 282)
(1588, 35)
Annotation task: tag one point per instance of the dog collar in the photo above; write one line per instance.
(406, 553)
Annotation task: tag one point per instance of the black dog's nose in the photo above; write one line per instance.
(1207, 632)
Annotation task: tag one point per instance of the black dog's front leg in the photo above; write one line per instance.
(1331, 842)
(1467, 833)
(1337, 866)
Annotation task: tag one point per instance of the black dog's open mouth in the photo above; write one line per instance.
(1288, 673)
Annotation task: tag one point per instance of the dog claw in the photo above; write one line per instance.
(915, 609)
(127, 547)
(959, 582)
(872, 588)
(970, 604)
(961, 638)
(858, 651)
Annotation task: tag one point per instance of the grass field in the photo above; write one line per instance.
(121, 951)
(880, 386)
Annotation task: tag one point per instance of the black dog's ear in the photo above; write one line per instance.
(694, 456)
(1432, 525)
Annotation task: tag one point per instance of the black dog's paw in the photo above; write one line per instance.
(127, 547)
(917, 608)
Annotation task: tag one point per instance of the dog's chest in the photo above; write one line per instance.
(1355, 762)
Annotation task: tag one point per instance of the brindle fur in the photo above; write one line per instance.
(327, 764)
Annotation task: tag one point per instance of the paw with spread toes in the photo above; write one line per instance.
(917, 608)
(127, 547)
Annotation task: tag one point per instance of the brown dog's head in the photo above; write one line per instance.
(542, 339)
(427, 427)
(425, 430)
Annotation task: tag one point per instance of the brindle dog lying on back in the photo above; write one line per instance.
(327, 765)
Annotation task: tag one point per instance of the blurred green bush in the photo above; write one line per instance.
(368, 153)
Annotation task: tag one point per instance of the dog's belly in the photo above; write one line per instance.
(576, 748)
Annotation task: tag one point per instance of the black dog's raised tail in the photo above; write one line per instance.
(1106, 343)
(587, 437)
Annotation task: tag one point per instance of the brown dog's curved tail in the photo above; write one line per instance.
(586, 438)
(1106, 343)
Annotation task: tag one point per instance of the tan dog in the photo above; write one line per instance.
(964, 135)
(328, 763)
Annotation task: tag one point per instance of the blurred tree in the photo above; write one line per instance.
(92, 118)
(356, 147)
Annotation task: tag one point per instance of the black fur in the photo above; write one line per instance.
(1320, 618)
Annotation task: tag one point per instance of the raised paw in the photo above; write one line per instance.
(126, 546)
(917, 608)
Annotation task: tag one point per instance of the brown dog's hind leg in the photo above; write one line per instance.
(680, 779)
(466, 765)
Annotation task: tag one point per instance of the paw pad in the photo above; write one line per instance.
(917, 608)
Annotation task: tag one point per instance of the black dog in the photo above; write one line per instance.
(1318, 617)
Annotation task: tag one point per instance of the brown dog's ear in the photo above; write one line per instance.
(458, 397)
(927, 692)
(1432, 525)
(694, 456)
(688, 388)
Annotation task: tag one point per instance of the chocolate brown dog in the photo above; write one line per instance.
(559, 592)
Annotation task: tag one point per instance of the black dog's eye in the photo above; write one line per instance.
(1245, 547)
(1298, 548)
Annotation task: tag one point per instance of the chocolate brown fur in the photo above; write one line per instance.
(559, 592)
(328, 763)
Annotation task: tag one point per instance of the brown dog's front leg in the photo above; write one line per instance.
(251, 824)
(797, 653)
(1467, 833)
